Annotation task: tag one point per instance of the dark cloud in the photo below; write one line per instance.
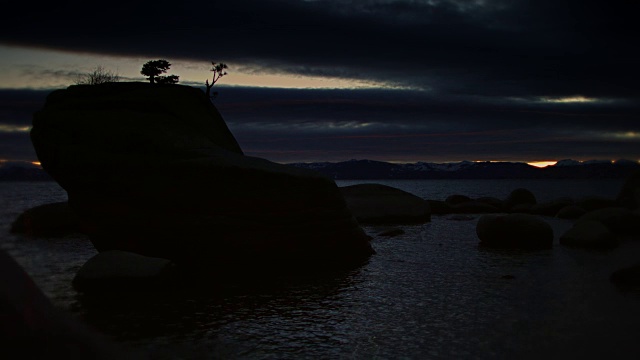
(483, 65)
(519, 48)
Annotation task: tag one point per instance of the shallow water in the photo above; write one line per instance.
(429, 293)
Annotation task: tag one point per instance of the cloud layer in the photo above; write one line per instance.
(487, 79)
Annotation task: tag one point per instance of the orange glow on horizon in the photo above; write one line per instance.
(541, 164)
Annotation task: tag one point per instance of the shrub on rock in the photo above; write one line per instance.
(514, 231)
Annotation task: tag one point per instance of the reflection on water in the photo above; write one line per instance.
(428, 293)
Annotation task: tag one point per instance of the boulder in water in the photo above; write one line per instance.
(154, 170)
(520, 196)
(376, 203)
(589, 234)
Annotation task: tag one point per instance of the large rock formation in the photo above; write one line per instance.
(153, 169)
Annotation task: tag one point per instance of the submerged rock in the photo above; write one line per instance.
(117, 269)
(153, 169)
(376, 203)
(53, 220)
(514, 231)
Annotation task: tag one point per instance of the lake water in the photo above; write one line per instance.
(430, 293)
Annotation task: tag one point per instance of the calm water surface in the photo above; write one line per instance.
(430, 293)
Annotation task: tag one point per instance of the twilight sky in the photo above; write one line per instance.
(333, 80)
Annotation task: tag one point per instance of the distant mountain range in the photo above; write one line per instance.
(370, 169)
(564, 169)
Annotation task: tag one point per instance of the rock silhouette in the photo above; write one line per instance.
(154, 170)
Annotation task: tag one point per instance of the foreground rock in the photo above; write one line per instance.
(52, 220)
(117, 269)
(514, 231)
(154, 170)
(32, 328)
(376, 203)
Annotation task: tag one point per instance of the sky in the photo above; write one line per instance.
(334, 80)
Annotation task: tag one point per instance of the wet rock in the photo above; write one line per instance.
(379, 204)
(589, 234)
(118, 270)
(515, 231)
(519, 197)
(571, 212)
(50, 220)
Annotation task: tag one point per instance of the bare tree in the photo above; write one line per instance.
(218, 72)
(98, 76)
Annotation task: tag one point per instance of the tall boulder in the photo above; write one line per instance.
(154, 170)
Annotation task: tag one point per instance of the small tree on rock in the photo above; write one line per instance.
(152, 70)
(218, 72)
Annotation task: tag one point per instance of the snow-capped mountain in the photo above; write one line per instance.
(370, 169)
